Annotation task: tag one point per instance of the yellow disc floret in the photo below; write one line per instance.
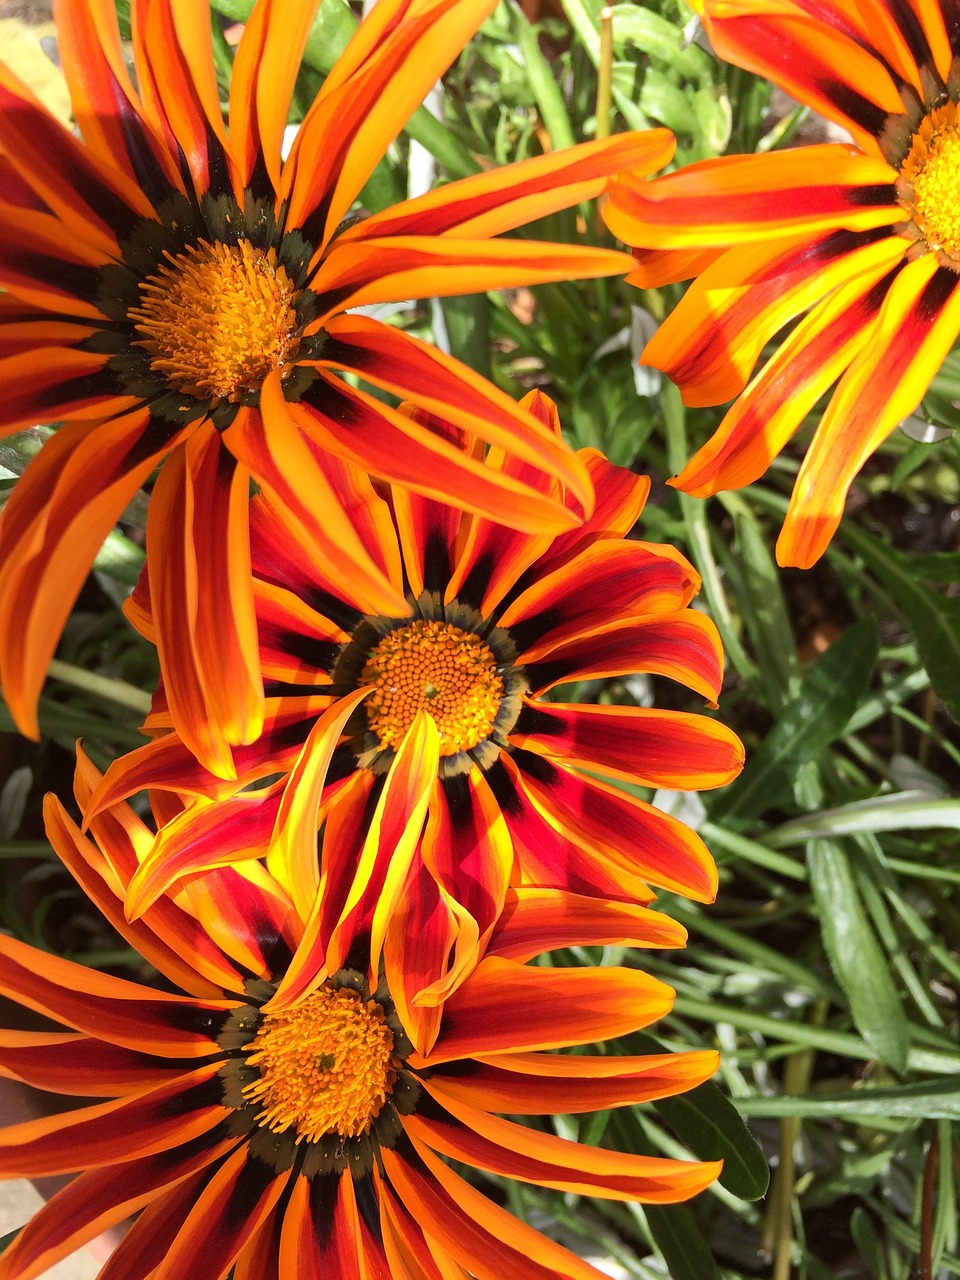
(325, 1066)
(436, 667)
(930, 178)
(217, 318)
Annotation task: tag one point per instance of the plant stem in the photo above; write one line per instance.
(126, 695)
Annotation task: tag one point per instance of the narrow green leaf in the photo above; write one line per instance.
(855, 955)
(830, 693)
(543, 82)
(765, 613)
(680, 1240)
(864, 1236)
(902, 811)
(468, 329)
(707, 1122)
(932, 1099)
(934, 619)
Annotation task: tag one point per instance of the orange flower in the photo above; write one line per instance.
(261, 1113)
(176, 296)
(861, 241)
(423, 739)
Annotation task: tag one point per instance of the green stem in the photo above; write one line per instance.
(605, 73)
(126, 695)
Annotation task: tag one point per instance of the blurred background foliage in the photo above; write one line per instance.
(828, 970)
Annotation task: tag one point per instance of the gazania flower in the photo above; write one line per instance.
(263, 1114)
(424, 739)
(857, 247)
(176, 296)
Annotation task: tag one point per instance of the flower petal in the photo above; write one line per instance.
(746, 199)
(915, 330)
(508, 1007)
(644, 745)
(526, 1155)
(123, 1013)
(684, 646)
(62, 508)
(534, 920)
(564, 1084)
(502, 199)
(711, 342)
(185, 1107)
(631, 837)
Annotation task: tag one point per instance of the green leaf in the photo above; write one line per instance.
(680, 1240)
(706, 1121)
(468, 329)
(830, 694)
(856, 957)
(903, 811)
(933, 1099)
(934, 619)
(765, 613)
(543, 82)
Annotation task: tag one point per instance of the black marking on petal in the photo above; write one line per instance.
(477, 580)
(218, 172)
(456, 788)
(324, 1189)
(321, 655)
(89, 386)
(529, 630)
(936, 293)
(436, 563)
(150, 175)
(504, 789)
(341, 614)
(369, 1206)
(540, 769)
(155, 437)
(535, 720)
(66, 277)
(854, 106)
(260, 184)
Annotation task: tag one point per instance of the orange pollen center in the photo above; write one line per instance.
(930, 175)
(436, 667)
(217, 319)
(326, 1066)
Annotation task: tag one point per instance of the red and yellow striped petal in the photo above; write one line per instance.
(902, 352)
(711, 342)
(643, 745)
(684, 646)
(180, 1109)
(61, 510)
(535, 919)
(633, 838)
(123, 1013)
(97, 1200)
(198, 565)
(527, 1155)
(771, 408)
(747, 199)
(396, 362)
(548, 1008)
(502, 199)
(564, 1084)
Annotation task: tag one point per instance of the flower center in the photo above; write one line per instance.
(325, 1066)
(217, 318)
(930, 180)
(433, 666)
